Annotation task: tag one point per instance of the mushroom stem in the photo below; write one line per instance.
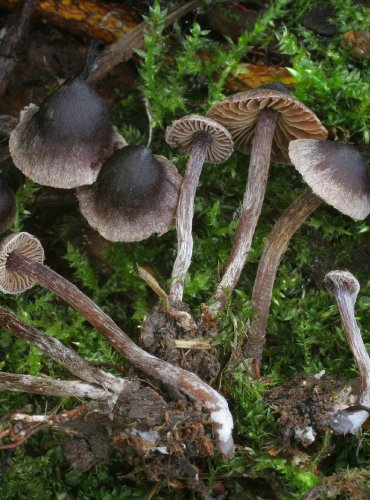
(185, 213)
(345, 287)
(184, 380)
(275, 247)
(251, 208)
(51, 387)
(67, 357)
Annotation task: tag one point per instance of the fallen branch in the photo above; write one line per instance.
(11, 36)
(121, 50)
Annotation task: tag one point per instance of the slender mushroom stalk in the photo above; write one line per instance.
(345, 288)
(51, 387)
(204, 140)
(337, 174)
(275, 247)
(21, 257)
(251, 207)
(266, 119)
(67, 357)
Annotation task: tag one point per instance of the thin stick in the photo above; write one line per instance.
(251, 208)
(67, 357)
(121, 50)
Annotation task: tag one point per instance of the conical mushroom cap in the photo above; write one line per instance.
(24, 244)
(239, 114)
(183, 132)
(64, 142)
(335, 172)
(135, 196)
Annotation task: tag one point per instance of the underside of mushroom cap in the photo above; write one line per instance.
(183, 132)
(64, 142)
(24, 244)
(118, 225)
(335, 172)
(239, 114)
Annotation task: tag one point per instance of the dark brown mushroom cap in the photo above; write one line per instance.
(239, 114)
(183, 132)
(335, 172)
(149, 206)
(8, 206)
(24, 244)
(64, 142)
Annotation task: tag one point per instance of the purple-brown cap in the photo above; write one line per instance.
(183, 132)
(239, 114)
(134, 196)
(335, 172)
(24, 244)
(64, 142)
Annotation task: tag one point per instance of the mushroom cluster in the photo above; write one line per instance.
(127, 194)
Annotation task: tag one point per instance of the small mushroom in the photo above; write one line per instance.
(64, 142)
(204, 140)
(8, 207)
(262, 121)
(134, 196)
(337, 173)
(21, 257)
(345, 288)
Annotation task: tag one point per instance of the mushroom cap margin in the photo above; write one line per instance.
(335, 172)
(120, 227)
(25, 244)
(239, 113)
(181, 134)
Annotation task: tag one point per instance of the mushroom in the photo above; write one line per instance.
(64, 142)
(134, 196)
(21, 265)
(8, 207)
(262, 120)
(337, 173)
(345, 288)
(204, 140)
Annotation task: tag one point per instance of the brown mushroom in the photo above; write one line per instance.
(263, 120)
(17, 266)
(205, 141)
(337, 173)
(134, 196)
(64, 142)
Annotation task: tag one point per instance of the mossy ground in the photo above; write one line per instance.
(304, 331)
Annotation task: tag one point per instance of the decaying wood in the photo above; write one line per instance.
(251, 207)
(185, 381)
(275, 247)
(93, 18)
(67, 357)
(11, 36)
(121, 50)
